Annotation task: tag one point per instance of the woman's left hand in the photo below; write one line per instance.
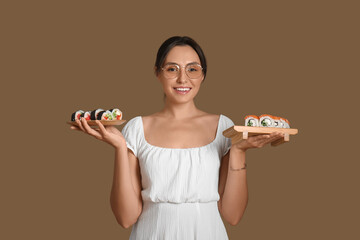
(257, 141)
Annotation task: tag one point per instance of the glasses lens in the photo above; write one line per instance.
(194, 71)
(171, 71)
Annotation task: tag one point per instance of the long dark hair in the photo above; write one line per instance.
(178, 41)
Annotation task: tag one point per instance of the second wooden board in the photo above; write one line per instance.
(237, 133)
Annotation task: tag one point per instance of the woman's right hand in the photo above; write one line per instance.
(108, 134)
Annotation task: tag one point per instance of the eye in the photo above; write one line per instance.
(193, 68)
(171, 68)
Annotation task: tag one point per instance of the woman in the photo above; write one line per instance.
(174, 171)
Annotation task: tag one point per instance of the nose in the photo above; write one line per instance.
(182, 76)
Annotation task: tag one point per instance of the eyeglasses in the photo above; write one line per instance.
(192, 70)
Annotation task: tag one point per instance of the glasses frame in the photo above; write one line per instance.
(180, 67)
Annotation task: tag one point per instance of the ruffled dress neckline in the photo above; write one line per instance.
(190, 148)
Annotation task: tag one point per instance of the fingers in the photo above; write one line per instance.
(277, 135)
(84, 126)
(101, 127)
(91, 131)
(80, 125)
(75, 128)
(261, 140)
(274, 136)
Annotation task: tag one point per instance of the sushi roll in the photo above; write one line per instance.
(277, 122)
(116, 114)
(266, 120)
(104, 115)
(81, 115)
(94, 113)
(76, 115)
(285, 123)
(87, 115)
(252, 121)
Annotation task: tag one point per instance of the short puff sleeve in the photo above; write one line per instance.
(131, 134)
(227, 141)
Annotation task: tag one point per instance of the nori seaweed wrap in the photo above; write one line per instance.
(76, 115)
(94, 113)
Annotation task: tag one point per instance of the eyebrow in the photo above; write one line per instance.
(178, 64)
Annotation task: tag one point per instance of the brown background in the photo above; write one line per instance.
(296, 59)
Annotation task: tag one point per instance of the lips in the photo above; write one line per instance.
(182, 90)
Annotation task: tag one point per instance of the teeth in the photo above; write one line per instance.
(182, 89)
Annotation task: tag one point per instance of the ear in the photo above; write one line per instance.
(156, 74)
(155, 70)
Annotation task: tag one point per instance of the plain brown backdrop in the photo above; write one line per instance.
(296, 59)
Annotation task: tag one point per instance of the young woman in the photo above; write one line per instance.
(175, 174)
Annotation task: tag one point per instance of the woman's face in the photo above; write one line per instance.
(174, 87)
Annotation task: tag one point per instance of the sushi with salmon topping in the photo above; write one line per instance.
(277, 122)
(285, 123)
(252, 121)
(266, 120)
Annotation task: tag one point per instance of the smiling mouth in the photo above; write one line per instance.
(182, 90)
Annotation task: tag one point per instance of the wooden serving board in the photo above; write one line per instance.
(237, 133)
(104, 122)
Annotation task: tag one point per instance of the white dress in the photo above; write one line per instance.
(180, 187)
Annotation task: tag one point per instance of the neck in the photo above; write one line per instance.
(179, 110)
